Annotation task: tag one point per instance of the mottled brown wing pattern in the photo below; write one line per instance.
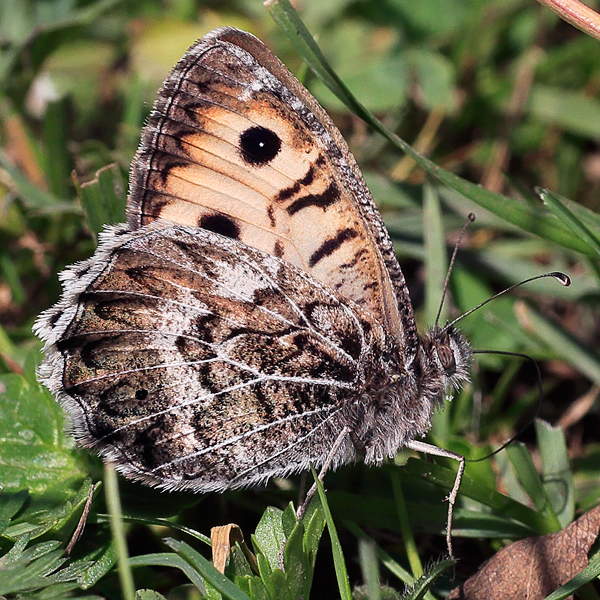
(194, 361)
(236, 145)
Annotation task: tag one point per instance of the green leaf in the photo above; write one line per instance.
(280, 586)
(473, 489)
(376, 72)
(435, 76)
(258, 590)
(46, 512)
(420, 588)
(397, 570)
(117, 529)
(556, 471)
(484, 331)
(10, 505)
(238, 565)
(266, 573)
(211, 592)
(38, 570)
(159, 521)
(435, 274)
(425, 15)
(35, 454)
(26, 24)
(57, 155)
(148, 595)
(408, 538)
(38, 200)
(571, 110)
(269, 537)
(367, 556)
(436, 261)
(104, 561)
(312, 536)
(289, 520)
(298, 571)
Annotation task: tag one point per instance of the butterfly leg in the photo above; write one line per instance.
(435, 451)
(332, 453)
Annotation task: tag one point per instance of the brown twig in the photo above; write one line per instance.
(576, 13)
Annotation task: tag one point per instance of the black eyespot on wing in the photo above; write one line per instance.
(259, 145)
(141, 394)
(221, 224)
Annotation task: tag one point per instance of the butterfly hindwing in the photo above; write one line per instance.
(192, 359)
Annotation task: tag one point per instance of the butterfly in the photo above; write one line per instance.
(252, 311)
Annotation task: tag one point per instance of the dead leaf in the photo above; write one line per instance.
(222, 540)
(532, 568)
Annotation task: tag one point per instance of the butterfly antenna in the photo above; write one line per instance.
(539, 405)
(470, 219)
(560, 277)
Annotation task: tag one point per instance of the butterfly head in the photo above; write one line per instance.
(444, 361)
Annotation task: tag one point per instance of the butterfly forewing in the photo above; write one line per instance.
(196, 362)
(237, 146)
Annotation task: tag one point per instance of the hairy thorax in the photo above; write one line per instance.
(399, 406)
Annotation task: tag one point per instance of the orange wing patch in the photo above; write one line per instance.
(229, 148)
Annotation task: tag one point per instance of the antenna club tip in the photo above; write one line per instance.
(561, 278)
(471, 217)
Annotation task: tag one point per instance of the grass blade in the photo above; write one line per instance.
(565, 347)
(103, 198)
(336, 548)
(407, 535)
(436, 261)
(113, 503)
(470, 488)
(561, 209)
(530, 480)
(168, 559)
(591, 572)
(367, 556)
(207, 570)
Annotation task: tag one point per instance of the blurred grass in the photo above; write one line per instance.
(499, 93)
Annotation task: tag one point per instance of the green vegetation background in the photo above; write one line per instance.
(499, 92)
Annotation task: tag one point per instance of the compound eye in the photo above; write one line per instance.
(446, 357)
